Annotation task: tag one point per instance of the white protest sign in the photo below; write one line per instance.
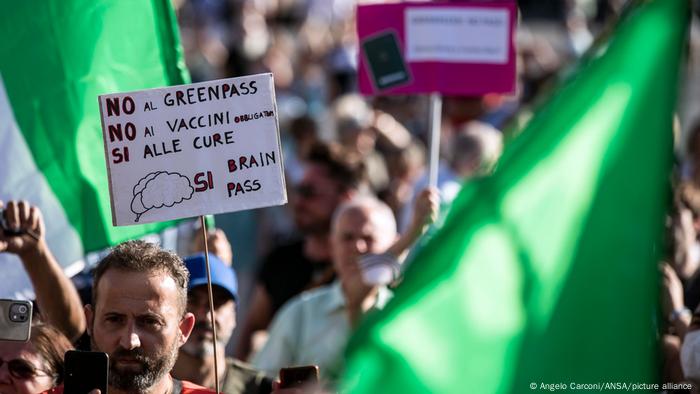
(191, 150)
(460, 35)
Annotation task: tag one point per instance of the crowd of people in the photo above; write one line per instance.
(359, 197)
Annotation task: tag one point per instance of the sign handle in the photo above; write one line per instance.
(211, 301)
(435, 126)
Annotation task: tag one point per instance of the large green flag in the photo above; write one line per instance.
(546, 272)
(56, 57)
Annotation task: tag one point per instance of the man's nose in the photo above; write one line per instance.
(130, 339)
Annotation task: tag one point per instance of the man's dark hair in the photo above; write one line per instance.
(141, 256)
(345, 168)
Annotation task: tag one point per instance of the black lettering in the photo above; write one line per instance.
(190, 95)
(183, 125)
(234, 90)
(179, 96)
(244, 88)
(214, 92)
(248, 188)
(147, 152)
(252, 86)
(228, 136)
(168, 100)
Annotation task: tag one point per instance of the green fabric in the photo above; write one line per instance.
(56, 57)
(547, 271)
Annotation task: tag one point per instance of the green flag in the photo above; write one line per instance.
(56, 57)
(546, 272)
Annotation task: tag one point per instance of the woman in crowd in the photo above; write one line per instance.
(35, 366)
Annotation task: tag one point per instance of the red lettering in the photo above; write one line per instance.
(120, 156)
(113, 106)
(201, 183)
(128, 105)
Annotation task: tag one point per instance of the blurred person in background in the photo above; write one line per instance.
(472, 151)
(217, 243)
(354, 118)
(195, 360)
(330, 178)
(313, 327)
(35, 366)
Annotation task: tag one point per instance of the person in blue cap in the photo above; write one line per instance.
(195, 361)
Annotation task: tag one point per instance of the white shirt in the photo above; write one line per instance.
(312, 328)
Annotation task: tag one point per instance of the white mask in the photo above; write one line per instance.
(690, 356)
(379, 269)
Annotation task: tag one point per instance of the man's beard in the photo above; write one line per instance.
(199, 346)
(150, 369)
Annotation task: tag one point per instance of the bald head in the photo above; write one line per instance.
(361, 225)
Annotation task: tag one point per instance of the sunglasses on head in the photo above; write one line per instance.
(22, 369)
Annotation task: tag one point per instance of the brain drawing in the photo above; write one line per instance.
(160, 189)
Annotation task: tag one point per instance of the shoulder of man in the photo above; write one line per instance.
(245, 377)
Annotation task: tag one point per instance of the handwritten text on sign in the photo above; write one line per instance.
(191, 150)
(461, 48)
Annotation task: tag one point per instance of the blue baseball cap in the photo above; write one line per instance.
(221, 274)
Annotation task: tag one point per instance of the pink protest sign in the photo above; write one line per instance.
(454, 48)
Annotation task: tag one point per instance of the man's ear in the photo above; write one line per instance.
(186, 326)
(89, 317)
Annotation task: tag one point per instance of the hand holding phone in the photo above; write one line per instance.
(85, 372)
(298, 376)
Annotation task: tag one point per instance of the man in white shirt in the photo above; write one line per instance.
(313, 328)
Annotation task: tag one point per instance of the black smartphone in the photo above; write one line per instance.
(15, 320)
(298, 376)
(85, 371)
(386, 63)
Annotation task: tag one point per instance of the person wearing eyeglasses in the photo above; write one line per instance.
(35, 366)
